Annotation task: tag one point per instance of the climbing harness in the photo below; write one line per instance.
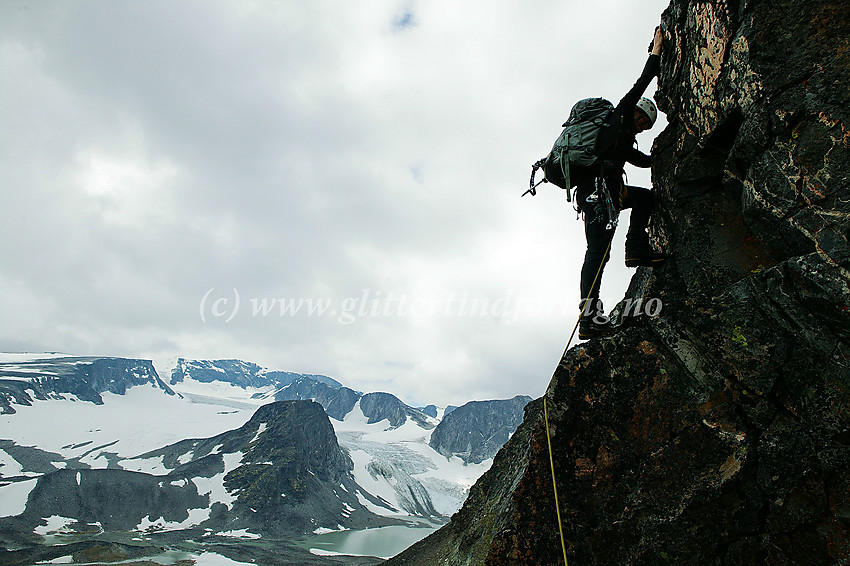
(603, 204)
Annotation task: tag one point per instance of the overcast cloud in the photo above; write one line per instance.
(162, 160)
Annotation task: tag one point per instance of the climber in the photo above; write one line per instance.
(616, 146)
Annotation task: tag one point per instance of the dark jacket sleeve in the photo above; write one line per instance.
(650, 71)
(625, 110)
(638, 158)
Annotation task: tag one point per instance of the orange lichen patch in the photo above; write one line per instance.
(712, 403)
(584, 467)
(647, 348)
(706, 63)
(604, 458)
(828, 121)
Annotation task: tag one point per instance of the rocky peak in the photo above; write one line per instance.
(381, 406)
(237, 372)
(337, 401)
(299, 434)
(717, 432)
(477, 430)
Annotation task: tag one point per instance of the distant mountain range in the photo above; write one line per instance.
(239, 373)
(286, 455)
(25, 378)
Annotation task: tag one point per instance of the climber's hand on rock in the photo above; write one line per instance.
(657, 41)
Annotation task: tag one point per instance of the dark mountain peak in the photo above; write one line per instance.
(292, 434)
(477, 430)
(295, 432)
(337, 401)
(430, 410)
(297, 436)
(380, 406)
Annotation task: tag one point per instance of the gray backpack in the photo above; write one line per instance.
(576, 148)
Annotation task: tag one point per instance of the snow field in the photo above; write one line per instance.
(13, 497)
(143, 419)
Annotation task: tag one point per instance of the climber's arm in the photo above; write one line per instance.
(650, 71)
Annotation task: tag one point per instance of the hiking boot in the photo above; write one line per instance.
(593, 323)
(639, 252)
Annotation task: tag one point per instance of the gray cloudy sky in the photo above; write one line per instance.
(174, 171)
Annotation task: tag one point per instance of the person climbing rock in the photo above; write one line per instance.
(601, 194)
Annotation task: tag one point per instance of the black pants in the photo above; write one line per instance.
(598, 237)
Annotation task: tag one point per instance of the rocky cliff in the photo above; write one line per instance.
(339, 401)
(717, 432)
(283, 471)
(386, 406)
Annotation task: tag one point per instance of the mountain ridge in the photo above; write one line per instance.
(82, 377)
(240, 373)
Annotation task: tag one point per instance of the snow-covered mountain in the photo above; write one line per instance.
(229, 447)
(240, 373)
(387, 439)
(282, 472)
(25, 377)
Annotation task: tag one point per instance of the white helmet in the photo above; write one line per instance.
(647, 106)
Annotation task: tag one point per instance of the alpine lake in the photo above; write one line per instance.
(192, 548)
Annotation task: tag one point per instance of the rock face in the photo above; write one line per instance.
(477, 430)
(294, 476)
(290, 474)
(717, 432)
(116, 500)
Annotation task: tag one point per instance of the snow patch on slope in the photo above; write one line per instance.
(214, 486)
(13, 497)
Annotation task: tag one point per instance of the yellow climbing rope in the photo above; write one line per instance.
(554, 483)
(546, 411)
